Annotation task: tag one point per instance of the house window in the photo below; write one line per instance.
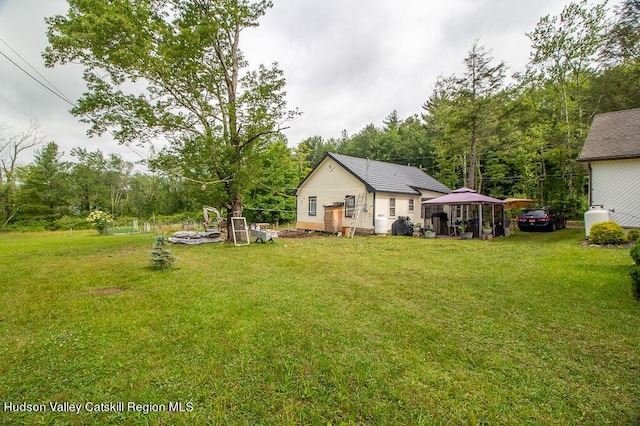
(349, 205)
(392, 207)
(411, 201)
(313, 206)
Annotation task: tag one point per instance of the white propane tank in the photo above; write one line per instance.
(380, 225)
(595, 214)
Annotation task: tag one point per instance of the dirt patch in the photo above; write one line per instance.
(295, 233)
(625, 245)
(106, 291)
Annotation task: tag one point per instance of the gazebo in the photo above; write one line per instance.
(469, 207)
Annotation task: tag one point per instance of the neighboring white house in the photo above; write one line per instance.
(612, 152)
(342, 186)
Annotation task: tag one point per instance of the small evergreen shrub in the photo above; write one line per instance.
(633, 235)
(160, 257)
(606, 233)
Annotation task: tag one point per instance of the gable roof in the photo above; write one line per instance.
(613, 135)
(379, 176)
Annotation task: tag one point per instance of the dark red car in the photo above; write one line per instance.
(541, 219)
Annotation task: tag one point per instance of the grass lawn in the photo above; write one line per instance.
(530, 329)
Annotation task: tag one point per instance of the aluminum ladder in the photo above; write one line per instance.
(356, 215)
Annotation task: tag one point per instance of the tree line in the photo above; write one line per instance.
(516, 135)
(519, 136)
(56, 193)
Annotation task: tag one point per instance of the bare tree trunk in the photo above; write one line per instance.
(569, 167)
(234, 209)
(473, 155)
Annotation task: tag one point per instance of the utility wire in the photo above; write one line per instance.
(37, 72)
(36, 80)
(53, 89)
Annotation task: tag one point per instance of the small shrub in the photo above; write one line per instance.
(635, 280)
(633, 235)
(606, 233)
(635, 253)
(635, 270)
(161, 257)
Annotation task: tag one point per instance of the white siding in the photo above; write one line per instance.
(383, 206)
(615, 184)
(331, 183)
(402, 205)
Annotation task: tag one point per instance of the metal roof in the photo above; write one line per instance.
(379, 176)
(613, 135)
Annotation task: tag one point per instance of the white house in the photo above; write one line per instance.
(612, 153)
(342, 187)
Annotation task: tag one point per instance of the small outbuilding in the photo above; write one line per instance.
(344, 192)
(612, 153)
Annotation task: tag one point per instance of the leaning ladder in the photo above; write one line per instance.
(356, 215)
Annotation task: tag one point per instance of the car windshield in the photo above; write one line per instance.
(534, 213)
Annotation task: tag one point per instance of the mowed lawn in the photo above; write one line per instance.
(531, 329)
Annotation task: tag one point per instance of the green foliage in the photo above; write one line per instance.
(199, 92)
(527, 135)
(271, 200)
(635, 269)
(633, 235)
(635, 253)
(606, 233)
(635, 280)
(70, 222)
(160, 257)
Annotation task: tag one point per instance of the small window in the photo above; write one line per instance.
(349, 205)
(313, 205)
(392, 207)
(411, 201)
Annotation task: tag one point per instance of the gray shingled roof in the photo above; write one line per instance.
(613, 135)
(388, 177)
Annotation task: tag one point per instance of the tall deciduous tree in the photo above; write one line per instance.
(272, 200)
(12, 146)
(623, 39)
(564, 53)
(174, 68)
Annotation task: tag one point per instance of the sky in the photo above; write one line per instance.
(348, 63)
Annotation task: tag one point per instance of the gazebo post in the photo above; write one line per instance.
(480, 211)
(493, 220)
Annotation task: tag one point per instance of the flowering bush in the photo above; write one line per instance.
(100, 220)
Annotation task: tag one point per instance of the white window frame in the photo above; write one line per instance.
(349, 205)
(313, 201)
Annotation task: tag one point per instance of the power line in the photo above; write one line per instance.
(37, 72)
(53, 89)
(36, 80)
